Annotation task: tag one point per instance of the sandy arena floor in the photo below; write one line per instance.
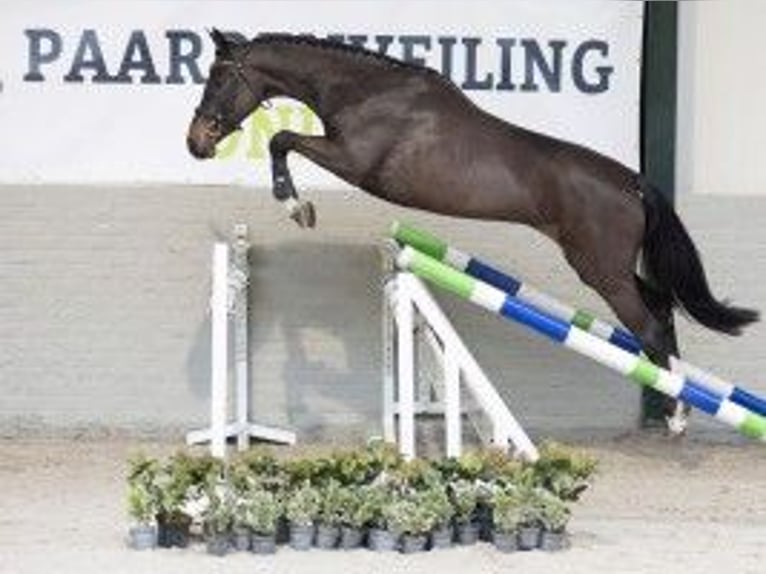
(656, 507)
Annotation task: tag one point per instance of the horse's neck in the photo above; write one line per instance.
(305, 73)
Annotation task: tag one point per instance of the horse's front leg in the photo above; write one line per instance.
(326, 153)
(302, 212)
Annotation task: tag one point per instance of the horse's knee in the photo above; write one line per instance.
(280, 143)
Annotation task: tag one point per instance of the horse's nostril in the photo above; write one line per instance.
(196, 149)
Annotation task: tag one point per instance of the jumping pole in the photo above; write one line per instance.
(635, 367)
(435, 247)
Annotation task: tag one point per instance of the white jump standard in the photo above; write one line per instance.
(409, 312)
(229, 309)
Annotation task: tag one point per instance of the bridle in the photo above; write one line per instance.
(218, 117)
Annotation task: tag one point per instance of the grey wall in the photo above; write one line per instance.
(104, 325)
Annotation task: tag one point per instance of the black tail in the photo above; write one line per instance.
(675, 266)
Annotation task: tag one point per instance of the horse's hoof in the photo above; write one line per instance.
(304, 214)
(677, 425)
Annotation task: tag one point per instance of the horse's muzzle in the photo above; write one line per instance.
(199, 149)
(201, 139)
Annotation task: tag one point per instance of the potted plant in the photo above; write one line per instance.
(411, 521)
(507, 504)
(329, 516)
(530, 527)
(554, 516)
(464, 497)
(218, 519)
(563, 470)
(142, 502)
(301, 509)
(354, 514)
(436, 500)
(262, 511)
(378, 497)
(173, 484)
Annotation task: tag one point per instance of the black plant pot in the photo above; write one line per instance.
(283, 530)
(218, 544)
(443, 537)
(241, 540)
(351, 538)
(529, 537)
(505, 542)
(381, 540)
(301, 536)
(327, 536)
(263, 543)
(142, 537)
(485, 520)
(412, 543)
(173, 530)
(467, 533)
(554, 541)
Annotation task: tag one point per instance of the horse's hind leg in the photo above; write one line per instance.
(613, 278)
(660, 304)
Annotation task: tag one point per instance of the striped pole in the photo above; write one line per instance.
(441, 251)
(636, 368)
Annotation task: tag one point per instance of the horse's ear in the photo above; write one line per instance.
(221, 43)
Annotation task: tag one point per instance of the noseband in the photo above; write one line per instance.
(217, 117)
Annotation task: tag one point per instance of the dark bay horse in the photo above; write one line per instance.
(408, 135)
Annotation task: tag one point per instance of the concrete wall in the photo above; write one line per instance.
(104, 325)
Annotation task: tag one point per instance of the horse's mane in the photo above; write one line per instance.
(335, 45)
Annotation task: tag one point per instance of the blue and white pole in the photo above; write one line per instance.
(635, 367)
(441, 251)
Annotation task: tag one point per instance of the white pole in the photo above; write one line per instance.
(389, 376)
(219, 350)
(452, 403)
(406, 374)
(239, 276)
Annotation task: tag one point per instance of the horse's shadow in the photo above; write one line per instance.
(314, 335)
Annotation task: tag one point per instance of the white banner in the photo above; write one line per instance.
(103, 91)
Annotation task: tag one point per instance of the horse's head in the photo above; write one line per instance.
(231, 94)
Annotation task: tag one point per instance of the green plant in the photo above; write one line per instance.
(142, 494)
(437, 503)
(181, 479)
(303, 504)
(354, 467)
(375, 498)
(262, 510)
(353, 508)
(508, 509)
(257, 468)
(415, 474)
(218, 517)
(406, 515)
(554, 512)
(330, 503)
(382, 457)
(464, 497)
(563, 470)
(531, 503)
